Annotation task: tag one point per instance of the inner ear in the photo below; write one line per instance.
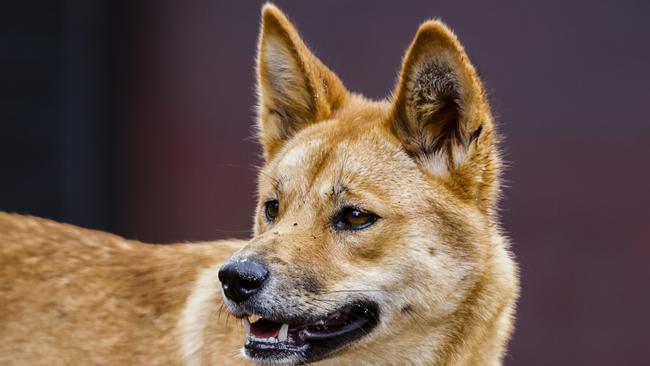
(438, 103)
(295, 89)
(285, 82)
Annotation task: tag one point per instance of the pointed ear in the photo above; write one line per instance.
(440, 109)
(294, 88)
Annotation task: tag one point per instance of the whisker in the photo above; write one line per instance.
(219, 311)
(412, 314)
(357, 291)
(319, 306)
(356, 305)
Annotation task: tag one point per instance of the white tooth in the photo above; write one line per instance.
(284, 331)
(247, 325)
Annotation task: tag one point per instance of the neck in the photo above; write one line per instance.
(480, 329)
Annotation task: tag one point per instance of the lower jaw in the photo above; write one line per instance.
(267, 348)
(282, 354)
(261, 352)
(301, 348)
(294, 354)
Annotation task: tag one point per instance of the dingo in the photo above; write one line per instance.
(377, 239)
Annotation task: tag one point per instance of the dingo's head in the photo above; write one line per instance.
(375, 219)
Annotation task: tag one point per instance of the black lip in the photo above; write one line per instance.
(316, 346)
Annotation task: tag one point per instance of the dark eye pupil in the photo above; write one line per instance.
(272, 208)
(354, 219)
(357, 217)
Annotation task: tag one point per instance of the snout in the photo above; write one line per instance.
(243, 278)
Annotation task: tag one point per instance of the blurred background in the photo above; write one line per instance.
(136, 117)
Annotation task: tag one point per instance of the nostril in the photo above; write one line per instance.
(241, 279)
(251, 282)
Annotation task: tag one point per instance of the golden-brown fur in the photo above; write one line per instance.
(71, 296)
(436, 262)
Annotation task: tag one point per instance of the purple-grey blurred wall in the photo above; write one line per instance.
(570, 87)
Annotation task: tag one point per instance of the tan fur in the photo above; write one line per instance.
(435, 261)
(71, 296)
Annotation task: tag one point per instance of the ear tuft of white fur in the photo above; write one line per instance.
(436, 163)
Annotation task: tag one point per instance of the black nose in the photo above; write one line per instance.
(241, 279)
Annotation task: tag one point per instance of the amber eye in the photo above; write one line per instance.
(271, 209)
(351, 218)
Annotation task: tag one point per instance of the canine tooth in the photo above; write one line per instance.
(247, 325)
(254, 318)
(284, 331)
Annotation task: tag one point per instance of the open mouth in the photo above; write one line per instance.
(308, 341)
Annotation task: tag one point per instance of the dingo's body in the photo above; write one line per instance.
(71, 296)
(376, 240)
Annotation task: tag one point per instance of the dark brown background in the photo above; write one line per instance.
(135, 117)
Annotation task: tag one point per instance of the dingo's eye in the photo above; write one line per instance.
(351, 218)
(271, 209)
